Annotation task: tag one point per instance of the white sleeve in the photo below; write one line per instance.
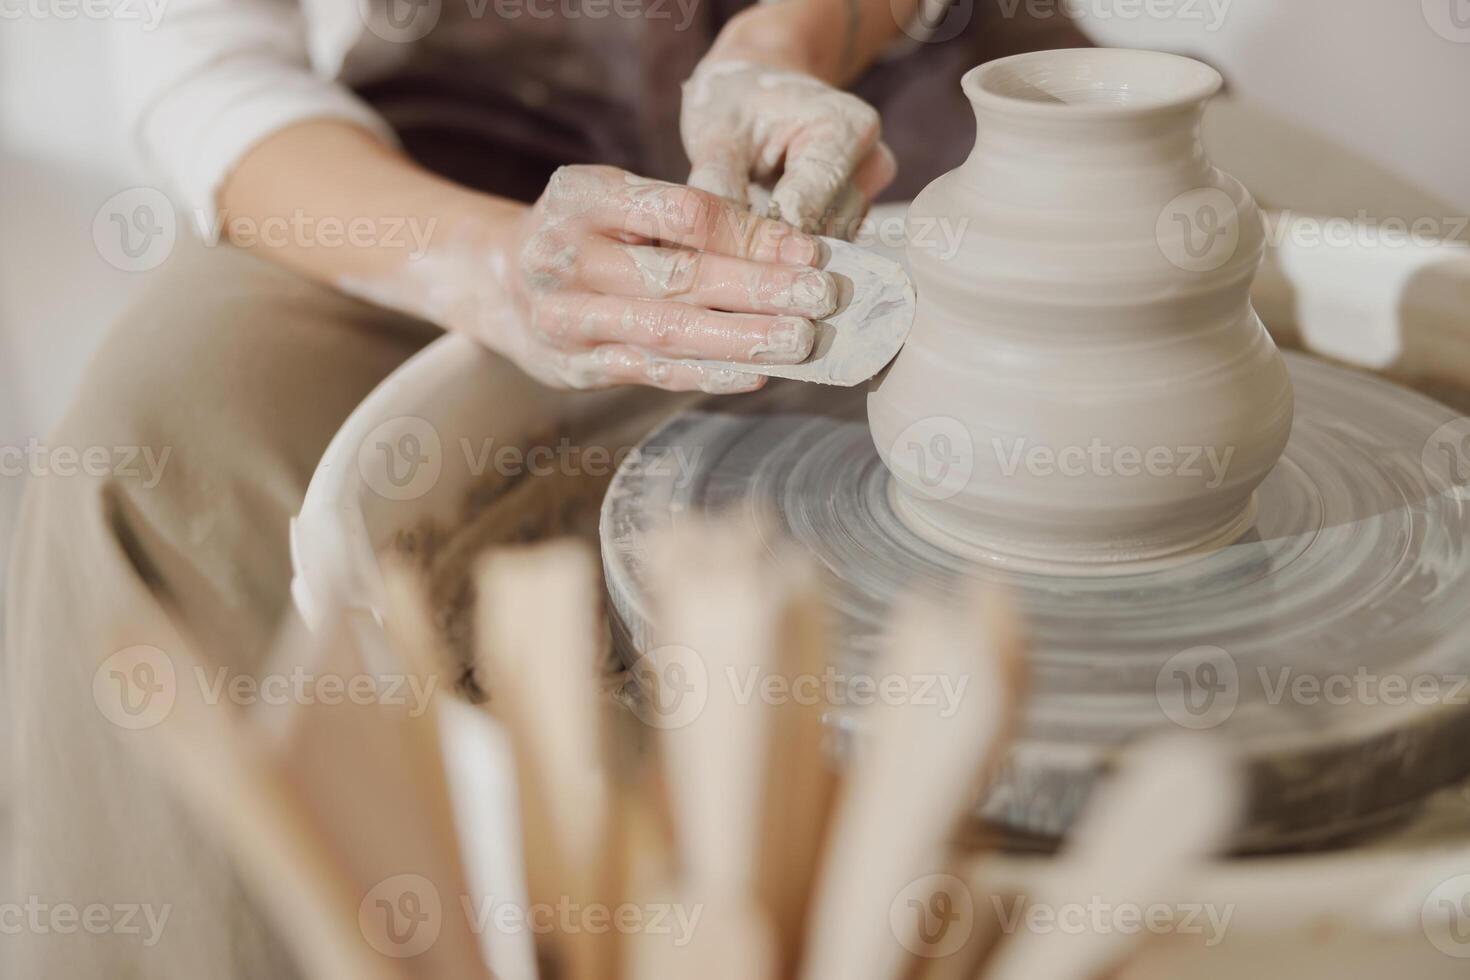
(214, 77)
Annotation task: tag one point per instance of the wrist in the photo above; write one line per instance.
(467, 264)
(772, 34)
(833, 40)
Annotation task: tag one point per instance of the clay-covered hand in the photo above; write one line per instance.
(743, 122)
(614, 279)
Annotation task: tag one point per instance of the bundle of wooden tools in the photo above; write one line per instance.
(714, 824)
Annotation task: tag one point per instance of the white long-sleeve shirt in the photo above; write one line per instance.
(215, 77)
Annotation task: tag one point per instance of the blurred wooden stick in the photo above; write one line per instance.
(918, 768)
(801, 781)
(538, 641)
(1172, 802)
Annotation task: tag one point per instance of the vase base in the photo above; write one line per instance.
(1015, 557)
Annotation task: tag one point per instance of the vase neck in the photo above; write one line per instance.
(1060, 160)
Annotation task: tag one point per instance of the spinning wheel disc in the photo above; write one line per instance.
(1331, 642)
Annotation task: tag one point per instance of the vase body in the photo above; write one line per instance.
(1085, 382)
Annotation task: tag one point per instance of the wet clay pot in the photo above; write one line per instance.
(1086, 385)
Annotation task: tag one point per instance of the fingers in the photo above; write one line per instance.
(722, 168)
(704, 279)
(671, 329)
(875, 172)
(615, 364)
(620, 204)
(846, 213)
(821, 163)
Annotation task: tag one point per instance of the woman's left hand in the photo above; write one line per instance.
(744, 121)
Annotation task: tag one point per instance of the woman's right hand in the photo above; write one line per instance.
(608, 279)
(611, 278)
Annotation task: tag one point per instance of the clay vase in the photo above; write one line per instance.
(1086, 383)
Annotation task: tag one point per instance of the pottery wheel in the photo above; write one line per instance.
(1354, 583)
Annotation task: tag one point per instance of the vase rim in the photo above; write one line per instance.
(1090, 83)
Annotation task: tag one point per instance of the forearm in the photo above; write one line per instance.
(331, 201)
(834, 40)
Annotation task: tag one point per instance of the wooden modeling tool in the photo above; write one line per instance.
(735, 831)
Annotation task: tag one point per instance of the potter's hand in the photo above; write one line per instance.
(742, 121)
(615, 279)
